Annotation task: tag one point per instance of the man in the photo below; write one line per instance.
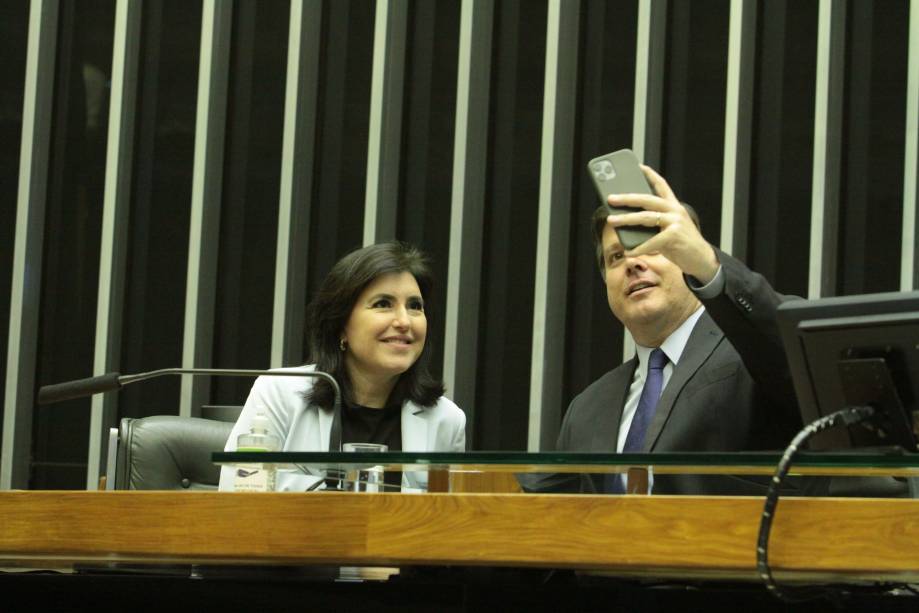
(719, 381)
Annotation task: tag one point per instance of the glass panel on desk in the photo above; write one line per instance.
(816, 474)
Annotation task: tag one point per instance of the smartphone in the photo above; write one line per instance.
(619, 173)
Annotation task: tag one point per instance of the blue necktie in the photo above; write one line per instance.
(647, 404)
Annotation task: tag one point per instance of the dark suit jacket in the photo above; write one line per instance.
(730, 391)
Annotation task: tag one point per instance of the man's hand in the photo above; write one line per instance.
(679, 240)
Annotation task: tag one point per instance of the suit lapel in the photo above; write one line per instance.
(606, 429)
(414, 428)
(702, 341)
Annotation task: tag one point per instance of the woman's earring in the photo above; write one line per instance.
(341, 344)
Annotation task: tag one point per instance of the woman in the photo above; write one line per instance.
(367, 328)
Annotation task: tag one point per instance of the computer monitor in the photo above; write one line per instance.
(856, 350)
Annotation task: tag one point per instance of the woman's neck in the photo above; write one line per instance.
(367, 391)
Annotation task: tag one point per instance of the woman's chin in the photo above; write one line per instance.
(393, 368)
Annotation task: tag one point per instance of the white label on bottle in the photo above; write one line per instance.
(254, 478)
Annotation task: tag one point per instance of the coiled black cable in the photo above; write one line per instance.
(848, 416)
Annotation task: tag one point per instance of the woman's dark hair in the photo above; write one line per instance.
(331, 307)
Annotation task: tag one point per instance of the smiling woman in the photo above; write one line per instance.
(368, 329)
(384, 336)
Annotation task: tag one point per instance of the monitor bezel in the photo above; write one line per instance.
(838, 322)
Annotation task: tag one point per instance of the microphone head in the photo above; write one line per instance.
(78, 388)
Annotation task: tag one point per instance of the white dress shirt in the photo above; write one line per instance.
(673, 347)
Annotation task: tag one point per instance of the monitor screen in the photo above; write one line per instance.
(856, 350)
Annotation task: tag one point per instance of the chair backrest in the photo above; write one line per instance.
(221, 412)
(166, 452)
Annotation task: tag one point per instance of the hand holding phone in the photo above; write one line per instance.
(620, 173)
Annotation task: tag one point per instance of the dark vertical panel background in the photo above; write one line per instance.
(692, 155)
(251, 188)
(427, 154)
(14, 29)
(693, 133)
(605, 103)
(783, 141)
(509, 249)
(871, 192)
(154, 302)
(73, 223)
(337, 216)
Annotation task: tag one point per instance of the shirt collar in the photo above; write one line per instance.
(674, 344)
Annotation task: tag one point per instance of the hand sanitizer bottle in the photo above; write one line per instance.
(256, 477)
(258, 438)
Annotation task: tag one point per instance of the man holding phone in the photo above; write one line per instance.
(710, 373)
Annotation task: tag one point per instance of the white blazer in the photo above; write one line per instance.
(441, 427)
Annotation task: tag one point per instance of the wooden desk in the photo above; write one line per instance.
(652, 536)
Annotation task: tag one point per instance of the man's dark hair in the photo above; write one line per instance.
(598, 223)
(330, 310)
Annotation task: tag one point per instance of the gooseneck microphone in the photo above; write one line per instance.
(113, 381)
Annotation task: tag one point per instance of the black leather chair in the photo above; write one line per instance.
(166, 452)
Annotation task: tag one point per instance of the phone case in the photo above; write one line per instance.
(619, 173)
